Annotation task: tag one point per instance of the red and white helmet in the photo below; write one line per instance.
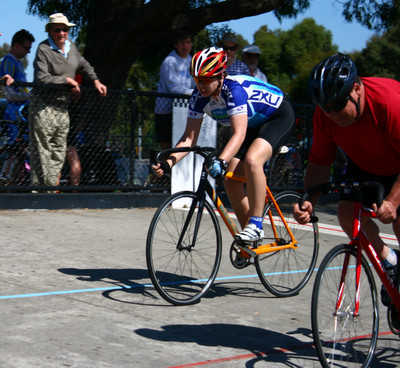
(209, 63)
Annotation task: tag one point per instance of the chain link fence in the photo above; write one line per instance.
(92, 143)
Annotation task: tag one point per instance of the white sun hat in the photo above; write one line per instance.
(59, 18)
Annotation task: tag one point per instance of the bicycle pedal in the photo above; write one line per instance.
(245, 247)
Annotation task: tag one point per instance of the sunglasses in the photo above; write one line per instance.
(252, 56)
(27, 48)
(59, 30)
(337, 106)
(227, 48)
(203, 80)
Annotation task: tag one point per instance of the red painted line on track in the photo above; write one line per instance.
(244, 356)
(259, 354)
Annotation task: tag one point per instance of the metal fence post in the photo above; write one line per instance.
(132, 145)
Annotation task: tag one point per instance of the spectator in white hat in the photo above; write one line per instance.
(251, 56)
(57, 62)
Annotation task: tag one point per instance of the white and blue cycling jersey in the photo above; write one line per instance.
(240, 94)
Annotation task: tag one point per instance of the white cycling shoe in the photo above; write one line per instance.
(251, 233)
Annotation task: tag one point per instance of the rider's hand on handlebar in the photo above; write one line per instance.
(161, 168)
(303, 215)
(385, 213)
(216, 168)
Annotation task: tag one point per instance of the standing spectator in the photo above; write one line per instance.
(57, 61)
(230, 45)
(235, 67)
(251, 56)
(11, 65)
(174, 78)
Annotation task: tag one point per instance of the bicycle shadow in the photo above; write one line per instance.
(387, 353)
(262, 345)
(129, 282)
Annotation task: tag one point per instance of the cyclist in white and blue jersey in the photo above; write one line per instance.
(261, 119)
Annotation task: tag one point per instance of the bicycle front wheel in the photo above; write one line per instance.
(342, 338)
(284, 273)
(183, 249)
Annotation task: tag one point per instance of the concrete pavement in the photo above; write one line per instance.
(75, 292)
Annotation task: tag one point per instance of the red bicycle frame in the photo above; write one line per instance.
(361, 242)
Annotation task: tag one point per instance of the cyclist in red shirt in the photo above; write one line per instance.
(362, 117)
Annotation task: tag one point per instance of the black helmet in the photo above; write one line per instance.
(332, 79)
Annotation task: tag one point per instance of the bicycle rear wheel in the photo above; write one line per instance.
(341, 338)
(182, 268)
(284, 273)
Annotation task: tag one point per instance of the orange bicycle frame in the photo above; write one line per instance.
(265, 248)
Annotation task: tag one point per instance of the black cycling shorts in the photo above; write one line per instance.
(355, 173)
(277, 130)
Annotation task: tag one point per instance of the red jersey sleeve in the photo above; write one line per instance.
(323, 149)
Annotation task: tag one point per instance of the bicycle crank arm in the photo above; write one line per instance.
(273, 247)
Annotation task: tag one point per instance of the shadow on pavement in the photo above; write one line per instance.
(127, 281)
(262, 344)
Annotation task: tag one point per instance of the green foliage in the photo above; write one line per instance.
(291, 9)
(288, 56)
(144, 73)
(143, 78)
(209, 36)
(381, 57)
(270, 42)
(4, 49)
(374, 14)
(77, 11)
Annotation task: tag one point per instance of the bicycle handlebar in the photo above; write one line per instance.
(202, 151)
(328, 187)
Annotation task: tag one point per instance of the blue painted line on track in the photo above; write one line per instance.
(129, 287)
(103, 289)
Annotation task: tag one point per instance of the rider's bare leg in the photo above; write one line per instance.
(258, 154)
(236, 193)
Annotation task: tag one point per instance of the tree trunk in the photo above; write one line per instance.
(119, 35)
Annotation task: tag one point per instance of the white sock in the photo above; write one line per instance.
(391, 259)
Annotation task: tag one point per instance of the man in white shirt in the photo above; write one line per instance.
(174, 78)
(251, 56)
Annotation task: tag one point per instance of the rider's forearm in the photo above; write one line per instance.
(394, 194)
(188, 139)
(232, 147)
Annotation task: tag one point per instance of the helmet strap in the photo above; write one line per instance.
(216, 93)
(357, 106)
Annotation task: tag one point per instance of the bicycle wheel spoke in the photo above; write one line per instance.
(342, 337)
(183, 270)
(285, 272)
